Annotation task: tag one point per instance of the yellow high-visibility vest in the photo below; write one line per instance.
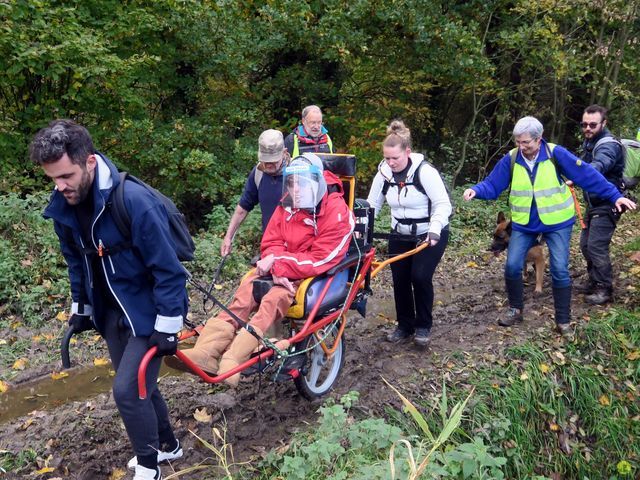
(553, 197)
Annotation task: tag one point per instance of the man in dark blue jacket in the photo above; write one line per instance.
(263, 186)
(606, 154)
(132, 291)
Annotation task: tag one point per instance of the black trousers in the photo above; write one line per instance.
(594, 244)
(146, 421)
(413, 282)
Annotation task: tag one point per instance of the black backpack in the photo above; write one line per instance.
(417, 183)
(185, 247)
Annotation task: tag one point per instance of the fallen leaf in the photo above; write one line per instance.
(554, 427)
(4, 386)
(100, 362)
(3, 341)
(201, 415)
(633, 355)
(59, 375)
(558, 358)
(117, 474)
(217, 287)
(472, 264)
(544, 368)
(20, 364)
(524, 376)
(62, 317)
(26, 424)
(604, 400)
(44, 470)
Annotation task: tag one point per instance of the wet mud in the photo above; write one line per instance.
(81, 436)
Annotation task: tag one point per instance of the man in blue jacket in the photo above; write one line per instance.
(541, 203)
(132, 291)
(606, 154)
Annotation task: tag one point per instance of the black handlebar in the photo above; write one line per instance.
(64, 347)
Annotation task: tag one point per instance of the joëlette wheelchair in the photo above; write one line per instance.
(313, 353)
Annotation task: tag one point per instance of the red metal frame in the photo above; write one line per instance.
(309, 327)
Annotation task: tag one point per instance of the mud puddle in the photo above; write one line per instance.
(60, 388)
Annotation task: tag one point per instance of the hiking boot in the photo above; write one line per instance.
(599, 297)
(398, 335)
(422, 337)
(513, 316)
(162, 456)
(144, 473)
(586, 286)
(566, 331)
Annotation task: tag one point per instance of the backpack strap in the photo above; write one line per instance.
(118, 209)
(257, 176)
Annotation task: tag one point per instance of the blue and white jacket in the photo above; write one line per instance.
(147, 280)
(574, 169)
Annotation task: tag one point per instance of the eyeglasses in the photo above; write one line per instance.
(591, 125)
(524, 143)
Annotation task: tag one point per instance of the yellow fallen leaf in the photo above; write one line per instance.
(44, 470)
(59, 375)
(4, 386)
(524, 376)
(604, 400)
(73, 341)
(544, 368)
(472, 264)
(62, 317)
(20, 364)
(554, 427)
(633, 355)
(3, 341)
(15, 325)
(117, 474)
(201, 415)
(217, 287)
(36, 338)
(100, 362)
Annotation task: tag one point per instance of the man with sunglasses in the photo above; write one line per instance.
(606, 154)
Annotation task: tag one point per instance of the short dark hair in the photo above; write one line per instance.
(59, 137)
(597, 109)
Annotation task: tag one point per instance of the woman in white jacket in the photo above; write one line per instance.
(420, 210)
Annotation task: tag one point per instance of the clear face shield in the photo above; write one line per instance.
(303, 185)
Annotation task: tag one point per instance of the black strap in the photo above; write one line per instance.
(412, 221)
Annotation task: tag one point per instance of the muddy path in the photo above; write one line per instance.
(83, 438)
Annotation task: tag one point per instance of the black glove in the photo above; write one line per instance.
(80, 323)
(433, 239)
(167, 343)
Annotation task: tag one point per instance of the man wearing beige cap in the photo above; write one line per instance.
(263, 185)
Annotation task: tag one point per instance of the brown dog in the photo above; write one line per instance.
(535, 255)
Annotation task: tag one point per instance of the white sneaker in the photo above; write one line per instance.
(162, 456)
(144, 473)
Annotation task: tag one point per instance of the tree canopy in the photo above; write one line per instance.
(177, 91)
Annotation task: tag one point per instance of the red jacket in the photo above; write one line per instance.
(302, 251)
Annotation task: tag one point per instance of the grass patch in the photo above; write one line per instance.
(572, 411)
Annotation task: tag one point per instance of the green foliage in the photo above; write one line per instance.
(33, 275)
(14, 462)
(340, 448)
